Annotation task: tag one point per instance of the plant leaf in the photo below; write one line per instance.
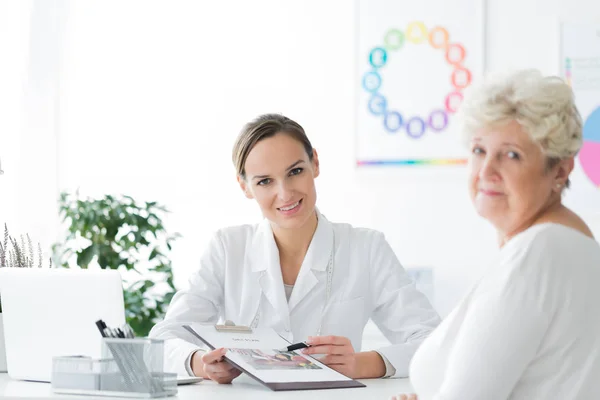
(85, 256)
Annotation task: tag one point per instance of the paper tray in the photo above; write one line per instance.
(128, 368)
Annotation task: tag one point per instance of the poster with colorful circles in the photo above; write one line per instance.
(580, 65)
(415, 59)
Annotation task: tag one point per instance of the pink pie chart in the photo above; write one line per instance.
(589, 155)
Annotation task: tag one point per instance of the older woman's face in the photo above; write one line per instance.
(509, 184)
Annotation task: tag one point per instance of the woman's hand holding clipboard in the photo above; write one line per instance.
(212, 365)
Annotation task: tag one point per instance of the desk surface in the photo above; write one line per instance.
(242, 388)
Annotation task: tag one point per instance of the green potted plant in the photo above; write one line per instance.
(15, 254)
(119, 233)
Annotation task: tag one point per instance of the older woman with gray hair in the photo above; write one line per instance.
(530, 328)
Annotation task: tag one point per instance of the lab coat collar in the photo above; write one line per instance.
(320, 248)
(266, 258)
(265, 253)
(315, 262)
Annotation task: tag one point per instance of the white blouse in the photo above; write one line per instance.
(529, 329)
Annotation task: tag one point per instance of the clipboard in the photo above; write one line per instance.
(255, 358)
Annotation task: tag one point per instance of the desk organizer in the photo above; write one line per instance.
(128, 368)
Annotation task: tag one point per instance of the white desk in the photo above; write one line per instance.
(242, 388)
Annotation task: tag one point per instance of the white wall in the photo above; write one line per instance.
(525, 33)
(14, 37)
(152, 95)
(29, 69)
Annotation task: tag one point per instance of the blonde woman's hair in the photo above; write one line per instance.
(543, 105)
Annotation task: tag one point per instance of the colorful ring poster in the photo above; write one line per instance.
(415, 59)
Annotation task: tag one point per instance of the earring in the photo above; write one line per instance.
(558, 186)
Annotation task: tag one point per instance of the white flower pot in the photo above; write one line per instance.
(2, 349)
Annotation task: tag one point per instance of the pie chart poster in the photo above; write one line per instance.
(415, 59)
(580, 59)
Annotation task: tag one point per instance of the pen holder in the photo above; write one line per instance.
(128, 368)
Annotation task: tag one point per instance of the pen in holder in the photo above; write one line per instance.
(129, 367)
(138, 361)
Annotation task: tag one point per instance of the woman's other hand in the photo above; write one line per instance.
(212, 365)
(340, 356)
(338, 353)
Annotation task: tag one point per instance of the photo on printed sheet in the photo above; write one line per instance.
(274, 359)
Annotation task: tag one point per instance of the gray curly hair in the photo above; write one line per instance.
(543, 105)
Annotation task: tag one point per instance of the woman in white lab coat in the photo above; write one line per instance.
(296, 272)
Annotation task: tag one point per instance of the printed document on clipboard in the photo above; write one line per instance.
(255, 354)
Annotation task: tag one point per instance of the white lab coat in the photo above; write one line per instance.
(240, 276)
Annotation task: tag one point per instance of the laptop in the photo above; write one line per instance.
(52, 312)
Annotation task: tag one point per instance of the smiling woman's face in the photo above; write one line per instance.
(281, 178)
(510, 184)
